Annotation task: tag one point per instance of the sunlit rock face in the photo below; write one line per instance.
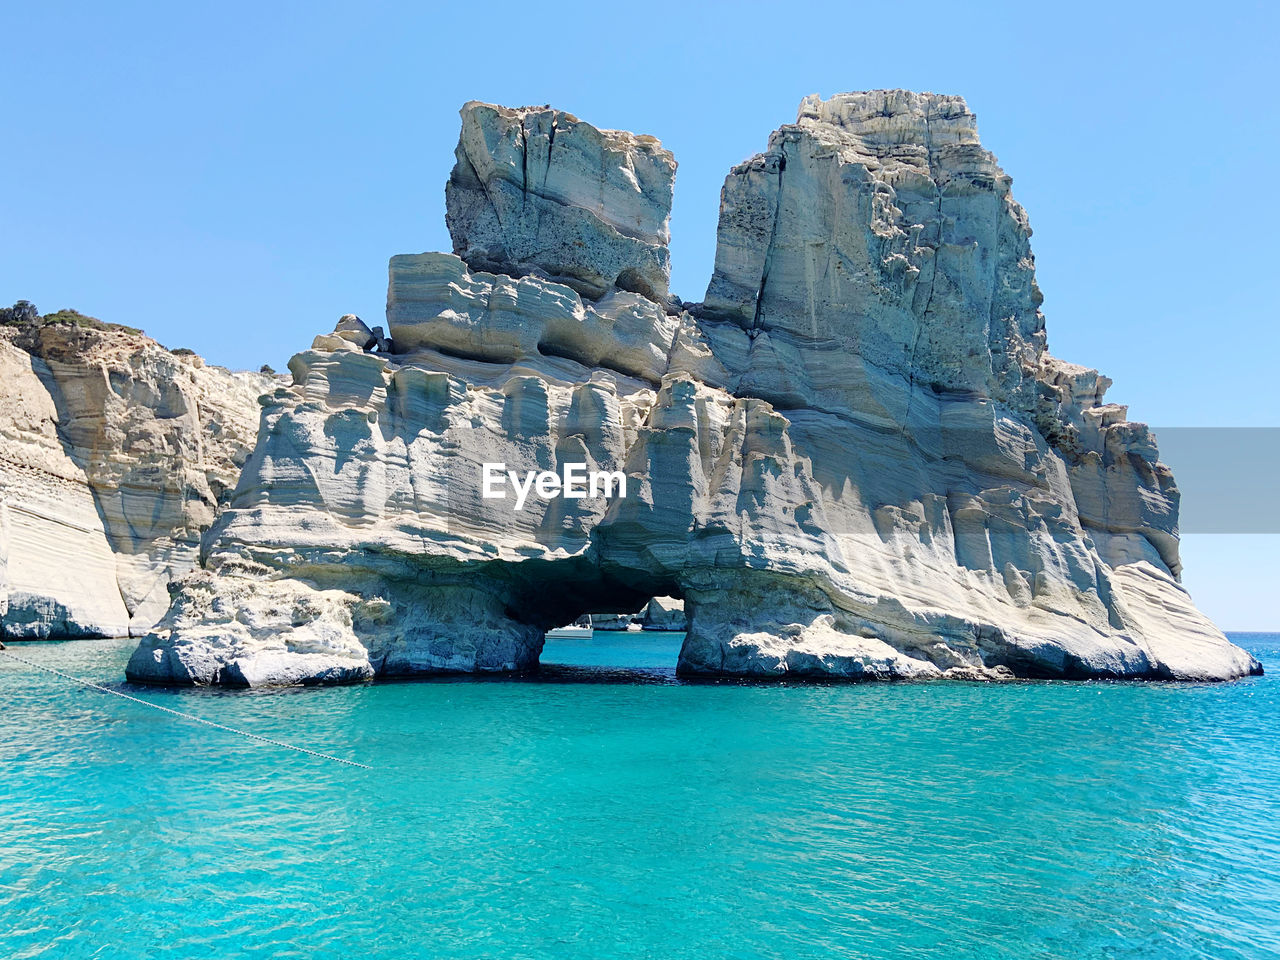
(57, 569)
(115, 456)
(536, 190)
(855, 459)
(663, 613)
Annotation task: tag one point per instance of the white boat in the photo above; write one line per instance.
(580, 629)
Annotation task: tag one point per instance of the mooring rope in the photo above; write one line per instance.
(178, 713)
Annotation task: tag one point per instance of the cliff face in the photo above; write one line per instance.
(538, 191)
(115, 455)
(854, 459)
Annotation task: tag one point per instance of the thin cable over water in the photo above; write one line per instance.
(179, 713)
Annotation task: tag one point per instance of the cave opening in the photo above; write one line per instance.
(630, 643)
(595, 616)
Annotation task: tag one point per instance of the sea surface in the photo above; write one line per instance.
(605, 810)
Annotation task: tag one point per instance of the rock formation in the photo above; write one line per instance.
(539, 191)
(854, 459)
(663, 613)
(115, 455)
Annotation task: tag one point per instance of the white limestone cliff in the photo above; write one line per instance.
(855, 459)
(536, 190)
(115, 455)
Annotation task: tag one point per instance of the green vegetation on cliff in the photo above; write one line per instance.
(24, 314)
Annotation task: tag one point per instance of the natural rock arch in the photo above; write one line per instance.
(856, 458)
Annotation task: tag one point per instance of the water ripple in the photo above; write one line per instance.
(608, 810)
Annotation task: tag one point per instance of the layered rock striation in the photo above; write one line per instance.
(537, 191)
(854, 459)
(115, 456)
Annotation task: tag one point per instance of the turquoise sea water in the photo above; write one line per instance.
(608, 811)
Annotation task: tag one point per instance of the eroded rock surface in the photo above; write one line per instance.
(663, 613)
(536, 190)
(115, 456)
(855, 459)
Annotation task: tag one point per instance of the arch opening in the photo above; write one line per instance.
(629, 644)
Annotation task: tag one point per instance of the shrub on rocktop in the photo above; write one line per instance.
(24, 314)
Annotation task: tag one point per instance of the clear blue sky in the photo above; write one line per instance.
(233, 177)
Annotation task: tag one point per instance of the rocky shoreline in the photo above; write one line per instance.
(854, 459)
(115, 456)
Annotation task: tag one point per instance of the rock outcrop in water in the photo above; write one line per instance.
(663, 613)
(854, 459)
(115, 455)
